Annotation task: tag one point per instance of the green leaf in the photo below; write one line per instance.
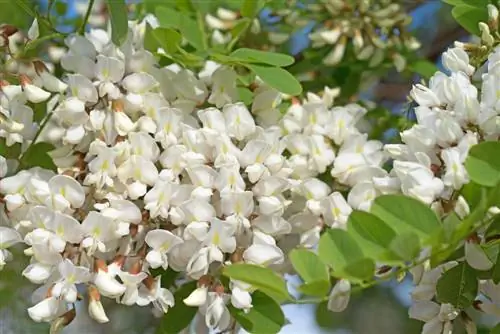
(118, 14)
(313, 272)
(423, 67)
(168, 276)
(495, 275)
(469, 17)
(264, 279)
(496, 329)
(37, 155)
(316, 288)
(406, 246)
(406, 214)
(180, 316)
(263, 57)
(372, 234)
(362, 269)
(277, 78)
(167, 38)
(189, 29)
(450, 224)
(11, 152)
(246, 95)
(338, 249)
(265, 316)
(483, 163)
(249, 8)
(473, 3)
(458, 286)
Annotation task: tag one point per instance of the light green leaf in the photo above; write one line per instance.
(264, 279)
(406, 214)
(167, 38)
(362, 269)
(423, 67)
(495, 275)
(483, 163)
(372, 234)
(180, 316)
(246, 95)
(496, 329)
(406, 246)
(313, 272)
(37, 156)
(473, 3)
(458, 286)
(118, 14)
(277, 78)
(249, 8)
(189, 29)
(469, 17)
(265, 316)
(263, 57)
(338, 249)
(11, 152)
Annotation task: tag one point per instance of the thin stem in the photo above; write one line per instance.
(81, 31)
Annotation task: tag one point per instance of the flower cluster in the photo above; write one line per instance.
(162, 168)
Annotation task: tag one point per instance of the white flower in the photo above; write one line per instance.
(161, 242)
(8, 237)
(46, 310)
(70, 276)
(335, 210)
(161, 298)
(106, 282)
(263, 251)
(96, 311)
(240, 296)
(98, 230)
(476, 257)
(3, 167)
(456, 59)
(217, 315)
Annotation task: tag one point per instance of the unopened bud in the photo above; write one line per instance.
(24, 80)
(486, 36)
(57, 325)
(219, 289)
(136, 267)
(100, 264)
(492, 17)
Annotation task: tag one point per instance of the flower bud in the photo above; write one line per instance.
(198, 297)
(492, 17)
(486, 36)
(96, 311)
(33, 93)
(340, 295)
(64, 320)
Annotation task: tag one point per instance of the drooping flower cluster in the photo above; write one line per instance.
(160, 167)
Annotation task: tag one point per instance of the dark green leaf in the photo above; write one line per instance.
(473, 3)
(469, 17)
(265, 316)
(450, 224)
(406, 246)
(263, 57)
(277, 78)
(11, 152)
(496, 329)
(36, 155)
(483, 163)
(264, 279)
(180, 316)
(168, 276)
(423, 67)
(118, 14)
(406, 214)
(458, 286)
